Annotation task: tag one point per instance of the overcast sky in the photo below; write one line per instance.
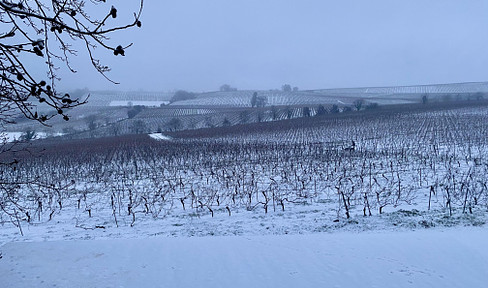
(261, 44)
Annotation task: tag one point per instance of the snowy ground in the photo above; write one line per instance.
(126, 103)
(160, 136)
(14, 136)
(310, 243)
(426, 258)
(302, 246)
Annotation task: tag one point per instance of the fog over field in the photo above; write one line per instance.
(200, 45)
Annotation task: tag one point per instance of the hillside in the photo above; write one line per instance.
(344, 96)
(111, 113)
(391, 195)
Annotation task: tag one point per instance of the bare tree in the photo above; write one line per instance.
(92, 122)
(174, 124)
(425, 98)
(254, 99)
(358, 104)
(274, 112)
(334, 109)
(28, 134)
(261, 101)
(321, 110)
(182, 95)
(226, 122)
(48, 30)
(227, 88)
(286, 88)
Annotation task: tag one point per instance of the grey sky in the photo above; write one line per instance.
(261, 44)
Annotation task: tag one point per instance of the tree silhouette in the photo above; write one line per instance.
(254, 99)
(46, 31)
(358, 104)
(182, 95)
(49, 30)
(286, 88)
(334, 109)
(227, 88)
(321, 110)
(425, 99)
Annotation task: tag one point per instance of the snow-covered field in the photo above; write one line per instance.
(139, 102)
(304, 246)
(159, 136)
(15, 136)
(439, 258)
(404, 206)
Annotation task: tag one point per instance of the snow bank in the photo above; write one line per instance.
(426, 258)
(160, 136)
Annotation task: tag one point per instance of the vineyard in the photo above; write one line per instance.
(112, 113)
(242, 99)
(343, 96)
(418, 168)
(107, 98)
(439, 89)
